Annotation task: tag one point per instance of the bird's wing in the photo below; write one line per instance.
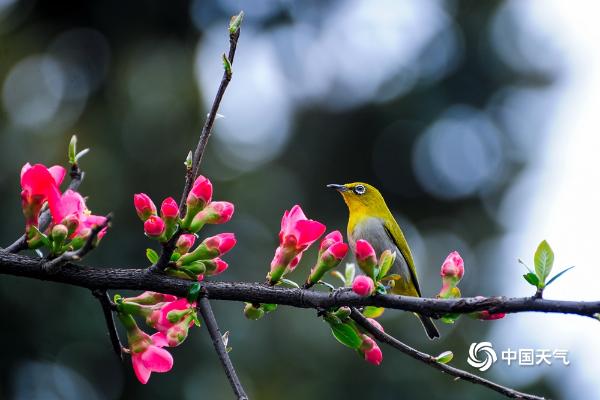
(395, 233)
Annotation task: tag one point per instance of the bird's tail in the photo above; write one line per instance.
(430, 328)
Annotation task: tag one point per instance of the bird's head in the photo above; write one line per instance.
(361, 197)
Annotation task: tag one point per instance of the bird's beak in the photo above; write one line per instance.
(339, 188)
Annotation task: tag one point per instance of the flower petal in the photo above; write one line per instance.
(141, 372)
(58, 173)
(157, 359)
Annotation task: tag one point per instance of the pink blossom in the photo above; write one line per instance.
(216, 212)
(363, 285)
(200, 194)
(144, 206)
(154, 226)
(159, 317)
(72, 209)
(215, 266)
(453, 266)
(330, 239)
(487, 316)
(371, 351)
(221, 243)
(337, 250)
(185, 242)
(169, 208)
(38, 185)
(364, 250)
(149, 357)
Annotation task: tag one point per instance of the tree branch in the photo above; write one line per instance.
(169, 247)
(139, 279)
(104, 299)
(77, 255)
(77, 176)
(431, 361)
(217, 339)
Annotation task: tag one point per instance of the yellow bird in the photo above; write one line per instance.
(371, 220)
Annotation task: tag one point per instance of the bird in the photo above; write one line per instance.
(370, 219)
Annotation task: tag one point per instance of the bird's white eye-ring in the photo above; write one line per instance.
(359, 189)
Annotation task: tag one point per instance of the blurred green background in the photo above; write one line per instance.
(443, 105)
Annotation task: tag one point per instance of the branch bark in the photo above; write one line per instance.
(105, 303)
(215, 334)
(140, 279)
(431, 361)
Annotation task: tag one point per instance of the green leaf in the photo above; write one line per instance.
(445, 357)
(81, 154)
(152, 256)
(339, 275)
(72, 149)
(543, 260)
(346, 335)
(559, 274)
(373, 312)
(532, 279)
(450, 318)
(290, 283)
(235, 22)
(268, 307)
(349, 274)
(188, 160)
(225, 338)
(226, 65)
(194, 291)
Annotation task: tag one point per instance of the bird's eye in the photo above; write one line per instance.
(359, 189)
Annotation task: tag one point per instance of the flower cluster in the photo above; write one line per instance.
(375, 270)
(170, 316)
(71, 223)
(186, 263)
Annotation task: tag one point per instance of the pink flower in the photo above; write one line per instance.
(144, 206)
(329, 258)
(296, 235)
(216, 212)
(38, 185)
(154, 226)
(159, 317)
(149, 357)
(215, 266)
(330, 239)
(487, 316)
(364, 250)
(363, 285)
(73, 212)
(297, 230)
(169, 209)
(376, 324)
(185, 242)
(200, 194)
(453, 266)
(371, 351)
(337, 251)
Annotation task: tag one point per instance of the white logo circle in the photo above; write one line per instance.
(488, 353)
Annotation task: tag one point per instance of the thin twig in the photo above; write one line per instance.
(169, 246)
(431, 361)
(104, 299)
(138, 279)
(76, 255)
(217, 339)
(77, 176)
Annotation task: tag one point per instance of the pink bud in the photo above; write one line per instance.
(376, 324)
(363, 285)
(222, 211)
(201, 193)
(223, 242)
(364, 250)
(219, 266)
(144, 206)
(154, 226)
(338, 250)
(169, 208)
(453, 266)
(371, 351)
(330, 239)
(487, 316)
(185, 242)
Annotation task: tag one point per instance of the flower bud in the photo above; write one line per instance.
(154, 226)
(200, 194)
(328, 260)
(71, 221)
(375, 324)
(169, 210)
(215, 266)
(329, 240)
(252, 312)
(185, 242)
(485, 315)
(371, 351)
(59, 233)
(144, 206)
(150, 298)
(453, 266)
(216, 212)
(363, 285)
(366, 257)
(210, 248)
